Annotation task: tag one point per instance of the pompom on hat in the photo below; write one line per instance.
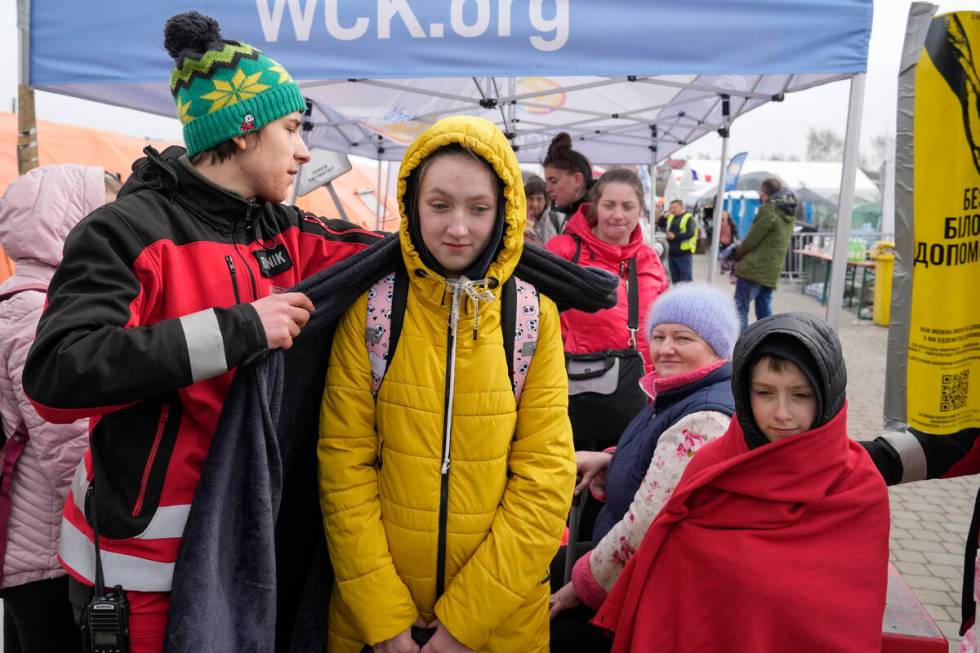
(223, 88)
(707, 311)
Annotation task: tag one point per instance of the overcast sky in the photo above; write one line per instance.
(773, 129)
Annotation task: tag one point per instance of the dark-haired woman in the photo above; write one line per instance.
(569, 177)
(605, 233)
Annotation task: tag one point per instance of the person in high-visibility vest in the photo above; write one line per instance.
(682, 233)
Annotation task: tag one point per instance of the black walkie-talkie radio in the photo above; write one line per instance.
(105, 620)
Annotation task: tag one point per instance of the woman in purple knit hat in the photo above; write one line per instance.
(692, 330)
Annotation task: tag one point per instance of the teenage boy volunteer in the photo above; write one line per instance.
(161, 295)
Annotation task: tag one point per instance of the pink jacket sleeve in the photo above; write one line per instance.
(59, 446)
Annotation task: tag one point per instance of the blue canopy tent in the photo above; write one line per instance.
(378, 73)
(631, 82)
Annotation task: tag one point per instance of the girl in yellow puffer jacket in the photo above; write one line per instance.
(444, 497)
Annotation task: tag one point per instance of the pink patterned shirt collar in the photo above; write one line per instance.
(653, 384)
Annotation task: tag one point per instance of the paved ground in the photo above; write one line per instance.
(929, 519)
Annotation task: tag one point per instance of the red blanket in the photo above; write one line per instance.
(782, 548)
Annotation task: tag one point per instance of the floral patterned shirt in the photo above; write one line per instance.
(596, 572)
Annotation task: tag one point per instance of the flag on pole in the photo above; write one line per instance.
(734, 170)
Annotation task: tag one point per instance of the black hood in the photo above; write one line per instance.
(173, 175)
(785, 202)
(805, 338)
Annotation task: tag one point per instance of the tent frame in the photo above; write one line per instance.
(27, 153)
(664, 129)
(586, 124)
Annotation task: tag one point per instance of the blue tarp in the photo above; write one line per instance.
(118, 41)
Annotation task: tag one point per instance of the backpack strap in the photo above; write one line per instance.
(519, 314)
(578, 248)
(633, 302)
(519, 320)
(385, 314)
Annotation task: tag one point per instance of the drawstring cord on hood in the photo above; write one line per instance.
(151, 171)
(476, 290)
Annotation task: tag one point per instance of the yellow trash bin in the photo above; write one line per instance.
(884, 266)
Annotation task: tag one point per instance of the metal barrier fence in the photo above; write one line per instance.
(821, 241)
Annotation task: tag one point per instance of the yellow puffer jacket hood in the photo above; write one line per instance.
(443, 480)
(486, 140)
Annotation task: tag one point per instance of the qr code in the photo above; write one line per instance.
(954, 391)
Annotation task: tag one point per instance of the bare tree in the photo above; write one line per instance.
(824, 145)
(875, 156)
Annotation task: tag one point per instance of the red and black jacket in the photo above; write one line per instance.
(147, 317)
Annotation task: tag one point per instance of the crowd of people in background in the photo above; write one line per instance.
(723, 505)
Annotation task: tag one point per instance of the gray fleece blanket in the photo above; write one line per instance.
(253, 574)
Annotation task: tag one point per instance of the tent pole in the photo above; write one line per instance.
(377, 197)
(336, 200)
(652, 215)
(384, 205)
(652, 218)
(27, 157)
(845, 201)
(719, 199)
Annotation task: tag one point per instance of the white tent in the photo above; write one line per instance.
(685, 182)
(821, 177)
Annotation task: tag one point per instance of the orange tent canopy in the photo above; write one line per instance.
(60, 143)
(6, 266)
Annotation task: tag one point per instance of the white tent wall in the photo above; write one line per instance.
(821, 177)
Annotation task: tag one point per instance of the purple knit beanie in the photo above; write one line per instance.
(707, 311)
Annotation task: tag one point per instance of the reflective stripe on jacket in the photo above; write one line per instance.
(146, 321)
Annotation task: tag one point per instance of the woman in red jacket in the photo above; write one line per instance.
(606, 354)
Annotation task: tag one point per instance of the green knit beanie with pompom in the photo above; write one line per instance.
(223, 88)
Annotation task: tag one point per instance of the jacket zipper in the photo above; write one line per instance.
(447, 441)
(164, 412)
(248, 268)
(234, 279)
(251, 277)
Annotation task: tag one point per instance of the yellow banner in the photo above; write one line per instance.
(944, 329)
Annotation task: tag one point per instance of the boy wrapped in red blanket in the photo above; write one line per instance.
(776, 538)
